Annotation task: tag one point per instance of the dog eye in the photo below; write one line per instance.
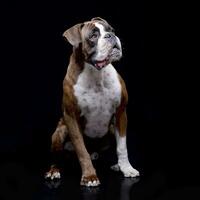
(93, 36)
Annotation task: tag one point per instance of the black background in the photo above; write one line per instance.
(34, 58)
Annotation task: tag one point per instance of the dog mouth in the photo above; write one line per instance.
(114, 55)
(99, 64)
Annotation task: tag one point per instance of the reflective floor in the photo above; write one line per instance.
(24, 180)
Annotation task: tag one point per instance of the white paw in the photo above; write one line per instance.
(93, 183)
(90, 181)
(129, 171)
(53, 175)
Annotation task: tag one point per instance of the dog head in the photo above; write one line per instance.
(100, 46)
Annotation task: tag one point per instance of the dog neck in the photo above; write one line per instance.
(77, 55)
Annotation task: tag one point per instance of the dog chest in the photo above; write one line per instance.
(98, 94)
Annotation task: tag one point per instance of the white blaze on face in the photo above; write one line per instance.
(103, 47)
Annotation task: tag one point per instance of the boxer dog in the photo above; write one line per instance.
(93, 95)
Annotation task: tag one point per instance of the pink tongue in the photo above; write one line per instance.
(100, 64)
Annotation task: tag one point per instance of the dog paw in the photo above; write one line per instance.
(129, 171)
(53, 173)
(90, 181)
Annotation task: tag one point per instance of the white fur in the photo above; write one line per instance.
(93, 183)
(99, 94)
(103, 47)
(123, 162)
(54, 175)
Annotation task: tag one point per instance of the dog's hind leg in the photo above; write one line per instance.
(57, 145)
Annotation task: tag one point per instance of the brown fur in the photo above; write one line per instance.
(72, 124)
(72, 113)
(121, 117)
(59, 136)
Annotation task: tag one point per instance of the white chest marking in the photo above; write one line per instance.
(98, 94)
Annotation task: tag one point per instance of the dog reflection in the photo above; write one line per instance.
(121, 190)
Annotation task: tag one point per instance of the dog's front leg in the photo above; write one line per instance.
(89, 177)
(123, 162)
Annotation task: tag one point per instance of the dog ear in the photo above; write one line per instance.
(73, 34)
(99, 19)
